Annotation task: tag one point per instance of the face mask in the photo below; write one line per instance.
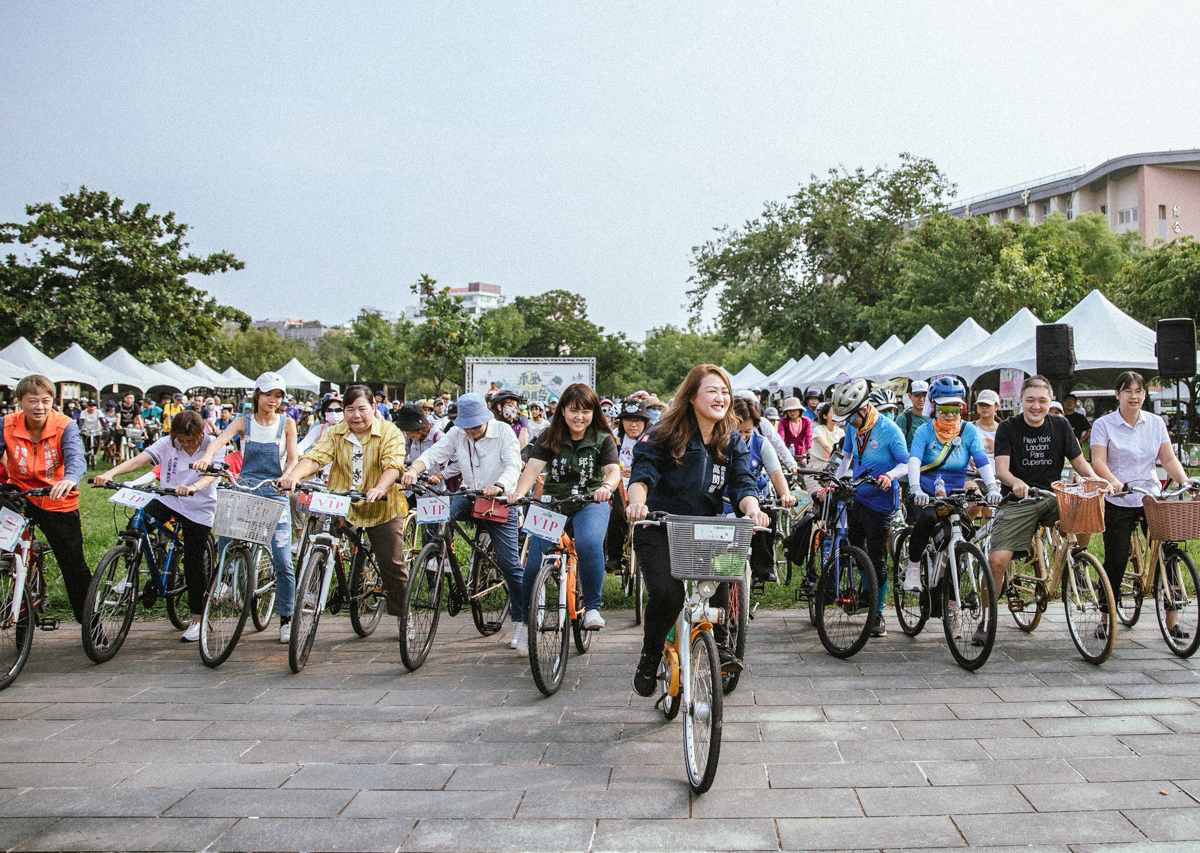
(653, 415)
(510, 413)
(334, 418)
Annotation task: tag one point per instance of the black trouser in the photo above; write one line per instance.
(618, 530)
(64, 532)
(1119, 522)
(924, 521)
(868, 529)
(195, 553)
(762, 549)
(666, 592)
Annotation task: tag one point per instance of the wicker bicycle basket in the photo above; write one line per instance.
(1172, 521)
(708, 547)
(1081, 506)
(250, 518)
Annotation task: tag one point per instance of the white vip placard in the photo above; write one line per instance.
(326, 504)
(12, 525)
(713, 532)
(544, 523)
(433, 510)
(132, 498)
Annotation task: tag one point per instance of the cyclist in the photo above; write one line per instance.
(268, 448)
(768, 431)
(812, 401)
(943, 449)
(419, 436)
(579, 456)
(987, 404)
(885, 402)
(91, 428)
(128, 416)
(796, 430)
(764, 467)
(693, 458)
(632, 422)
(41, 447)
(171, 407)
(194, 507)
(911, 419)
(873, 447)
(506, 407)
(490, 457)
(537, 419)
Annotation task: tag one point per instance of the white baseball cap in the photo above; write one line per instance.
(988, 396)
(919, 386)
(270, 381)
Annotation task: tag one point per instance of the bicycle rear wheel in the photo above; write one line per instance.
(737, 623)
(487, 589)
(547, 623)
(1130, 595)
(227, 605)
(1088, 601)
(16, 634)
(971, 640)
(422, 607)
(847, 596)
(912, 607)
(176, 583)
(703, 717)
(263, 609)
(366, 591)
(308, 608)
(1177, 595)
(111, 599)
(1025, 592)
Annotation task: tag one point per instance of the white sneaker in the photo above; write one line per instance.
(956, 622)
(912, 578)
(519, 631)
(285, 633)
(522, 645)
(192, 634)
(592, 620)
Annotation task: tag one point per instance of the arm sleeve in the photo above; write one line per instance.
(323, 451)
(770, 459)
(391, 455)
(1003, 444)
(806, 436)
(646, 456)
(74, 464)
(772, 436)
(442, 450)
(987, 474)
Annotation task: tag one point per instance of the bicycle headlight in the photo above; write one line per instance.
(707, 589)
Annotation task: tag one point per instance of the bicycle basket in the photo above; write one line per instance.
(1080, 507)
(708, 547)
(1172, 521)
(249, 518)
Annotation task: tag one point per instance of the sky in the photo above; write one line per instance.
(342, 150)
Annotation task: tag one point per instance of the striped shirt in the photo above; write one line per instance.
(359, 465)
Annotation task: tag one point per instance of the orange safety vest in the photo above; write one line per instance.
(31, 466)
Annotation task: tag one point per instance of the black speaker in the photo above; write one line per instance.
(1056, 350)
(327, 386)
(1176, 348)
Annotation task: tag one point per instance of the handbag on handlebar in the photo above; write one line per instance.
(489, 509)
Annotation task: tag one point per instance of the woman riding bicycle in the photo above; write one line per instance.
(194, 507)
(579, 456)
(685, 466)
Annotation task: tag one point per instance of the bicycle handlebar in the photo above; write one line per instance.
(656, 519)
(317, 488)
(152, 490)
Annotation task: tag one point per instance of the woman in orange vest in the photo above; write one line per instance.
(41, 447)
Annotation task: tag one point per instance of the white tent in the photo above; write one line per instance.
(965, 339)
(912, 352)
(181, 377)
(29, 359)
(829, 370)
(750, 377)
(862, 354)
(207, 377)
(781, 370)
(139, 374)
(234, 379)
(795, 379)
(10, 374)
(102, 376)
(887, 350)
(296, 375)
(973, 363)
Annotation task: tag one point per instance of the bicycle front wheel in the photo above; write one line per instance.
(547, 624)
(227, 605)
(111, 599)
(422, 607)
(487, 589)
(1088, 600)
(366, 592)
(912, 606)
(703, 717)
(263, 609)
(1025, 591)
(1177, 602)
(16, 634)
(969, 617)
(847, 597)
(583, 638)
(308, 608)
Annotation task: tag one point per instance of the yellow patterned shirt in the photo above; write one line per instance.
(360, 465)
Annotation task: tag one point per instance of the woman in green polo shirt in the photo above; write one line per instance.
(578, 454)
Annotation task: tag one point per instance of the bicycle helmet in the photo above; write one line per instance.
(947, 389)
(848, 399)
(883, 399)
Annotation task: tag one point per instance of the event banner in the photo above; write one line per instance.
(1011, 380)
(541, 379)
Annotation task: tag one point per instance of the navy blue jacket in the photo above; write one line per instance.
(698, 486)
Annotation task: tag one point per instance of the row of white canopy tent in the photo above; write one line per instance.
(1107, 341)
(77, 366)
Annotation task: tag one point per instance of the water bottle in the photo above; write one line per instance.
(939, 487)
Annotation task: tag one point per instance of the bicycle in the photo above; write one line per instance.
(113, 592)
(1037, 576)
(557, 600)
(956, 570)
(91, 444)
(705, 551)
(323, 559)
(484, 590)
(22, 582)
(1160, 563)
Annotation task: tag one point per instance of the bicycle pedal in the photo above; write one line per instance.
(48, 623)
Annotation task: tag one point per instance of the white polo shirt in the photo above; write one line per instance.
(1132, 450)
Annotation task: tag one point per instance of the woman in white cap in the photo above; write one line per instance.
(268, 441)
(987, 405)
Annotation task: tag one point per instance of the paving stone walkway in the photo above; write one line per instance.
(896, 748)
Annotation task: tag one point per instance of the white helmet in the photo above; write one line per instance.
(848, 399)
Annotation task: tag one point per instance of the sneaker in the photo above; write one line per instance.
(1101, 632)
(285, 632)
(592, 620)
(1178, 633)
(771, 577)
(878, 626)
(729, 661)
(522, 645)
(645, 677)
(979, 638)
(519, 631)
(956, 626)
(912, 578)
(192, 634)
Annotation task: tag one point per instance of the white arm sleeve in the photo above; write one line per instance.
(772, 436)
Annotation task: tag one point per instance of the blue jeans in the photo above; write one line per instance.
(504, 543)
(281, 558)
(587, 527)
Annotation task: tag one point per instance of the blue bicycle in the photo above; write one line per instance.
(115, 588)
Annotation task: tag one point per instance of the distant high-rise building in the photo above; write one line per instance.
(477, 298)
(309, 331)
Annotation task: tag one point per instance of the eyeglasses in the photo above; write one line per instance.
(949, 409)
(331, 409)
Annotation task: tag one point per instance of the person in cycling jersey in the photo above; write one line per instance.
(943, 448)
(885, 402)
(873, 447)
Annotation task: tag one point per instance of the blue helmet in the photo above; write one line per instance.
(947, 389)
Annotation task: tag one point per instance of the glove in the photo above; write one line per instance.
(920, 498)
(993, 494)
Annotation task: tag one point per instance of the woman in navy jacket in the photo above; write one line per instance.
(685, 466)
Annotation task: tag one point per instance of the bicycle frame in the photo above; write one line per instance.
(141, 529)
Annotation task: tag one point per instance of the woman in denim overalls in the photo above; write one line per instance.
(268, 435)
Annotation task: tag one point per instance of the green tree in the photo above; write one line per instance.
(103, 275)
(1161, 282)
(501, 332)
(380, 349)
(442, 343)
(254, 351)
(557, 324)
(670, 352)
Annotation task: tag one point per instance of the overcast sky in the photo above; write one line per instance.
(343, 149)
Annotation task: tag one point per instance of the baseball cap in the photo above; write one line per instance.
(919, 386)
(1056, 406)
(987, 395)
(270, 381)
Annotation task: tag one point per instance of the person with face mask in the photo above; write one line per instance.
(885, 402)
(506, 406)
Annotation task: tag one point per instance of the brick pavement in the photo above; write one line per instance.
(895, 748)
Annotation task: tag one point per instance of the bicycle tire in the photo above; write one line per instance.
(367, 600)
(702, 720)
(1179, 592)
(975, 584)
(1025, 592)
(583, 638)
(846, 599)
(263, 609)
(410, 537)
(547, 623)
(912, 607)
(422, 607)
(1088, 602)
(783, 566)
(16, 635)
(737, 623)
(487, 588)
(176, 584)
(112, 597)
(668, 703)
(227, 605)
(307, 615)
(1129, 605)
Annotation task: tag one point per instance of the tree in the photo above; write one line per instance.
(254, 351)
(1161, 282)
(670, 352)
(104, 276)
(501, 332)
(557, 324)
(443, 341)
(380, 349)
